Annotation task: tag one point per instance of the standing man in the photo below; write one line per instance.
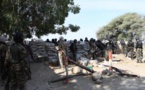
(92, 50)
(130, 48)
(62, 51)
(123, 46)
(3, 49)
(73, 49)
(139, 53)
(16, 56)
(29, 58)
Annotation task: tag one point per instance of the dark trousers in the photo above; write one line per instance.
(74, 56)
(131, 51)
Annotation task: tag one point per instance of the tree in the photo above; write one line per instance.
(123, 26)
(39, 17)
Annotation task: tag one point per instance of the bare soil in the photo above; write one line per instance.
(42, 74)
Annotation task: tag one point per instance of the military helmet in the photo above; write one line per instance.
(18, 37)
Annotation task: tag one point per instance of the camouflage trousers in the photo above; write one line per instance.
(130, 50)
(124, 50)
(18, 77)
(139, 55)
(74, 54)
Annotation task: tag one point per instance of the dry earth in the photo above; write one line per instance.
(42, 74)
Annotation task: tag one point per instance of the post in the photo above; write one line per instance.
(110, 59)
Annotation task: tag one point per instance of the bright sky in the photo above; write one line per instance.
(97, 13)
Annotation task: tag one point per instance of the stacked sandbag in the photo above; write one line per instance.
(82, 50)
(86, 46)
(52, 53)
(38, 50)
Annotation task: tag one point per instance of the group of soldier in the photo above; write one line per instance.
(98, 48)
(15, 57)
(95, 48)
(14, 63)
(133, 49)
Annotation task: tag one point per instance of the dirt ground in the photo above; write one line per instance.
(110, 83)
(42, 74)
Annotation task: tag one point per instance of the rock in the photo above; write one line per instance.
(76, 70)
(107, 72)
(98, 81)
(96, 76)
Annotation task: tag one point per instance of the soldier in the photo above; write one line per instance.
(101, 47)
(114, 44)
(139, 48)
(62, 51)
(73, 49)
(86, 39)
(47, 40)
(29, 58)
(92, 50)
(16, 56)
(130, 48)
(123, 46)
(3, 49)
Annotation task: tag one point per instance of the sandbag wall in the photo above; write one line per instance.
(82, 50)
(52, 53)
(38, 48)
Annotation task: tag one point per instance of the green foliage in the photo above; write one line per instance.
(130, 22)
(42, 16)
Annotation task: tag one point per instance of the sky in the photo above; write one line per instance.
(94, 14)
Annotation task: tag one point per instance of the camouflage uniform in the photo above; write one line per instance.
(29, 59)
(114, 46)
(3, 49)
(16, 57)
(139, 53)
(92, 50)
(130, 48)
(123, 46)
(73, 49)
(62, 52)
